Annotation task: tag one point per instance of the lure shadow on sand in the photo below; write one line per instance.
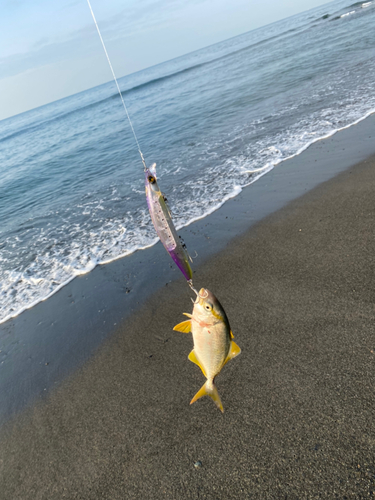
(213, 341)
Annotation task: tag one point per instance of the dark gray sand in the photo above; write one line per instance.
(299, 417)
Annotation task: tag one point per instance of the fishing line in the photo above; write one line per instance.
(117, 85)
(155, 199)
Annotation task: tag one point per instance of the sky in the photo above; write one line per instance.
(49, 49)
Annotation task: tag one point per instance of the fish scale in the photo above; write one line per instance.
(208, 342)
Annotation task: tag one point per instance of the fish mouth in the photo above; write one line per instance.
(200, 296)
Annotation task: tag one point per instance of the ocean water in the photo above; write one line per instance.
(71, 180)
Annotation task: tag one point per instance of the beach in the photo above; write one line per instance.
(263, 139)
(296, 281)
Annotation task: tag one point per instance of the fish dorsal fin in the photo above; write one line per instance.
(184, 327)
(234, 351)
(188, 315)
(231, 334)
(193, 358)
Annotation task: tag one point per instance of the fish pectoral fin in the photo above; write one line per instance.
(234, 351)
(212, 392)
(184, 327)
(231, 334)
(193, 358)
(188, 315)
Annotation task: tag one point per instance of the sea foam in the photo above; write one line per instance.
(214, 121)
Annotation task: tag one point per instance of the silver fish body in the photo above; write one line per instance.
(213, 341)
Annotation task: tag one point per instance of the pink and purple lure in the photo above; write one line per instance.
(163, 223)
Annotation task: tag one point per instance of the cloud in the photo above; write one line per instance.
(142, 17)
(41, 42)
(13, 4)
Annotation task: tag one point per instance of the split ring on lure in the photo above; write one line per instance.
(162, 220)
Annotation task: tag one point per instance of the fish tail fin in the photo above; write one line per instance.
(209, 390)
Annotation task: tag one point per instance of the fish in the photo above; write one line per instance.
(213, 341)
(163, 223)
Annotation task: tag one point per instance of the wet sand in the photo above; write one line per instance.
(298, 288)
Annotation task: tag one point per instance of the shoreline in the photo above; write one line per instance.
(47, 343)
(298, 290)
(267, 168)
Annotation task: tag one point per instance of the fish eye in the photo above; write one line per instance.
(151, 179)
(208, 307)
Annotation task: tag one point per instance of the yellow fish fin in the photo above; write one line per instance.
(184, 327)
(194, 359)
(231, 335)
(212, 392)
(234, 351)
(188, 315)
